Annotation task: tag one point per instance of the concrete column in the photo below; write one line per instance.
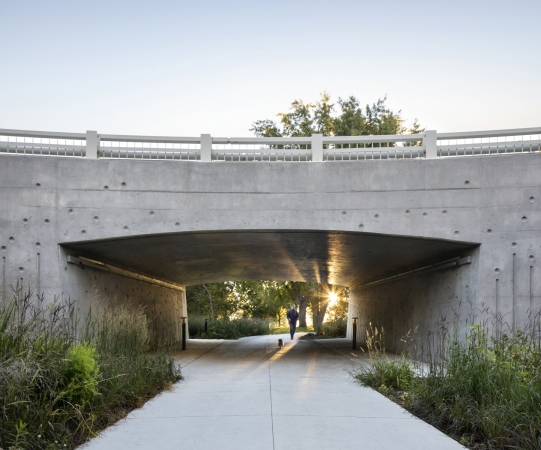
(317, 147)
(206, 147)
(430, 142)
(92, 144)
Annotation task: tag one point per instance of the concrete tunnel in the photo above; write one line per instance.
(352, 259)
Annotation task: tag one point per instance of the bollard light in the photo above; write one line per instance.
(354, 343)
(183, 333)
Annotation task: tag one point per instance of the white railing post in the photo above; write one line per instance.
(317, 147)
(206, 147)
(430, 141)
(92, 144)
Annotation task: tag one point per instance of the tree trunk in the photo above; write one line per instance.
(320, 303)
(302, 301)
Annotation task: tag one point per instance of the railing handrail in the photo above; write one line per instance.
(489, 133)
(316, 148)
(42, 134)
(156, 139)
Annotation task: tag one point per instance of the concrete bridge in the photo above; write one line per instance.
(418, 226)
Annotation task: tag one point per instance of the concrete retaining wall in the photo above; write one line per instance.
(493, 200)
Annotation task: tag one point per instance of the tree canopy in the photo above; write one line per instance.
(345, 118)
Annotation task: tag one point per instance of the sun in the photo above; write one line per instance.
(333, 297)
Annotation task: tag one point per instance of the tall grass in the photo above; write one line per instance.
(227, 329)
(484, 390)
(60, 383)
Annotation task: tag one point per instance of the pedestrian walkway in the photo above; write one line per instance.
(248, 394)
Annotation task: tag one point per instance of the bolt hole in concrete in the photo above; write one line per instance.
(125, 228)
(532, 199)
(3, 247)
(38, 185)
(46, 220)
(25, 220)
(524, 218)
(151, 213)
(425, 214)
(444, 211)
(376, 216)
(11, 238)
(177, 224)
(70, 211)
(457, 232)
(105, 187)
(407, 212)
(489, 231)
(83, 231)
(96, 218)
(123, 184)
(497, 270)
(21, 269)
(466, 182)
(514, 244)
(38, 244)
(531, 258)
(361, 225)
(343, 212)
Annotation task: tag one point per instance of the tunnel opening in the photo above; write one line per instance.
(371, 265)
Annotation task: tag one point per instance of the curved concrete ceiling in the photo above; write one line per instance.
(343, 258)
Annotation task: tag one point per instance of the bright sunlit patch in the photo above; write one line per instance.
(332, 297)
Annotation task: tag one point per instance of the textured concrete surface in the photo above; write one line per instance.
(345, 258)
(247, 394)
(492, 200)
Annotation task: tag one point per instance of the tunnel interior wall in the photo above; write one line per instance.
(417, 306)
(163, 306)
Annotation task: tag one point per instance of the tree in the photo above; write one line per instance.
(305, 119)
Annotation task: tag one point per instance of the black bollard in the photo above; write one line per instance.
(183, 333)
(206, 325)
(354, 344)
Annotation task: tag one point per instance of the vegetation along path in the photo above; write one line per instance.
(248, 394)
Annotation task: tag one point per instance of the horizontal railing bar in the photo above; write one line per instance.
(157, 139)
(490, 133)
(147, 149)
(36, 146)
(373, 138)
(413, 148)
(41, 134)
(265, 151)
(470, 146)
(268, 140)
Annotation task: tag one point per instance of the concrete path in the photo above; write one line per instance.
(247, 394)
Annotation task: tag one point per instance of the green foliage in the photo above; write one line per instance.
(482, 388)
(59, 388)
(384, 373)
(228, 329)
(257, 299)
(305, 119)
(334, 328)
(81, 372)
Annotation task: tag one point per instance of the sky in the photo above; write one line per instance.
(181, 68)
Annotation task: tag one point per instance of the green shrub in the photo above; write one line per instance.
(482, 389)
(81, 371)
(58, 388)
(228, 329)
(335, 328)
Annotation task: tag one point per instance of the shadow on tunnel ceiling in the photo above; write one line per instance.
(336, 257)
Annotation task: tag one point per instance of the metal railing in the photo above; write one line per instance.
(430, 144)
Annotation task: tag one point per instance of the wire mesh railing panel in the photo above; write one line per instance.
(150, 150)
(489, 145)
(261, 152)
(361, 150)
(42, 146)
